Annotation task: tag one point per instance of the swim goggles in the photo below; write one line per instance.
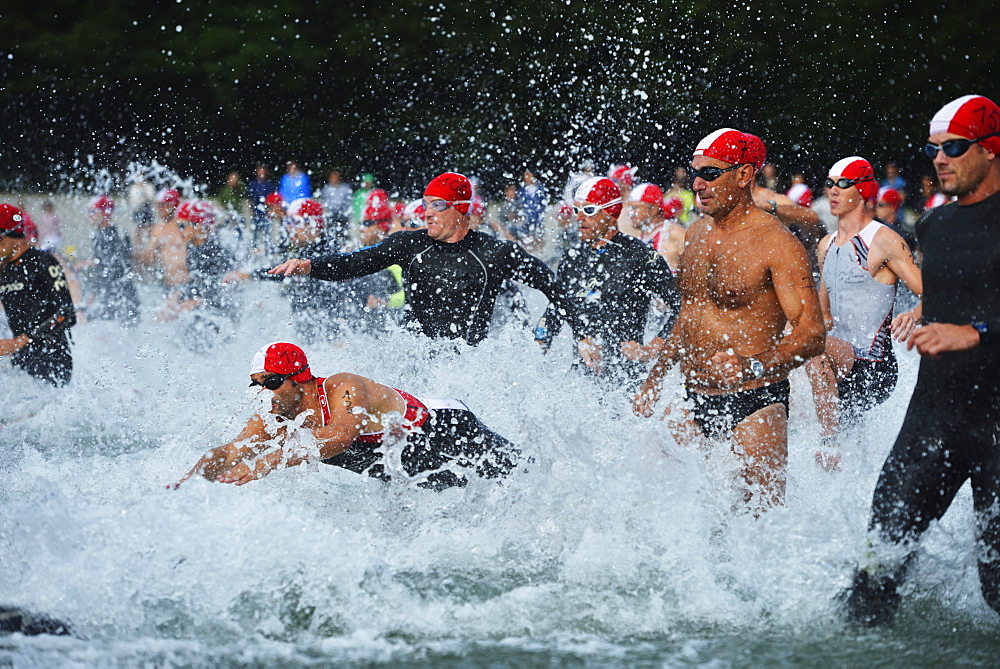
(441, 205)
(591, 209)
(711, 173)
(272, 382)
(954, 148)
(845, 183)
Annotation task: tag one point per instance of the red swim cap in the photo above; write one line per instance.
(454, 187)
(756, 151)
(377, 209)
(891, 197)
(198, 213)
(102, 203)
(672, 208)
(647, 192)
(283, 358)
(305, 211)
(168, 196)
(733, 147)
(11, 218)
(601, 190)
(971, 116)
(854, 168)
(622, 173)
(274, 200)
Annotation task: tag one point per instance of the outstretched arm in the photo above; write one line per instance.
(250, 441)
(349, 410)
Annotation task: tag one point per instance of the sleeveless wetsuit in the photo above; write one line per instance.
(952, 427)
(451, 288)
(440, 434)
(862, 316)
(36, 298)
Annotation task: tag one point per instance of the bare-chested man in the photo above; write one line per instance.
(347, 416)
(743, 278)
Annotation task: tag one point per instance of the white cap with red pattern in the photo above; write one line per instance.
(972, 117)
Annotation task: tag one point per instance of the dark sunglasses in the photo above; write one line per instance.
(954, 148)
(272, 382)
(710, 173)
(845, 183)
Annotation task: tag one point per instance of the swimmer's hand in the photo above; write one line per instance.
(903, 326)
(726, 369)
(293, 267)
(633, 350)
(590, 352)
(646, 399)
(934, 339)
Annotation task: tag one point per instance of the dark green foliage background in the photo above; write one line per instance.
(408, 88)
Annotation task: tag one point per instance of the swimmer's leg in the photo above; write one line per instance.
(761, 439)
(986, 498)
(918, 482)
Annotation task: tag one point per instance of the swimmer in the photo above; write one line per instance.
(452, 274)
(612, 279)
(35, 296)
(744, 276)
(862, 263)
(949, 434)
(349, 416)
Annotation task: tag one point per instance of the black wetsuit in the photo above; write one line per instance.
(612, 287)
(207, 263)
(444, 439)
(312, 302)
(36, 298)
(115, 297)
(451, 288)
(952, 426)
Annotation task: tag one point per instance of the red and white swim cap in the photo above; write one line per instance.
(733, 147)
(891, 197)
(102, 203)
(971, 116)
(283, 358)
(414, 211)
(454, 187)
(673, 208)
(853, 168)
(274, 200)
(623, 173)
(800, 194)
(196, 212)
(168, 196)
(601, 190)
(305, 211)
(650, 193)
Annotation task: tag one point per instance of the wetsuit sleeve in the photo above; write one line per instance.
(394, 250)
(533, 273)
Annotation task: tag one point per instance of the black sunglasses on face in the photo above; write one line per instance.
(272, 382)
(954, 148)
(710, 173)
(845, 183)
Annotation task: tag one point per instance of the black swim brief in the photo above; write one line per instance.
(869, 383)
(717, 415)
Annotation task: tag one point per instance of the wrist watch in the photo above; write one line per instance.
(984, 331)
(756, 368)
